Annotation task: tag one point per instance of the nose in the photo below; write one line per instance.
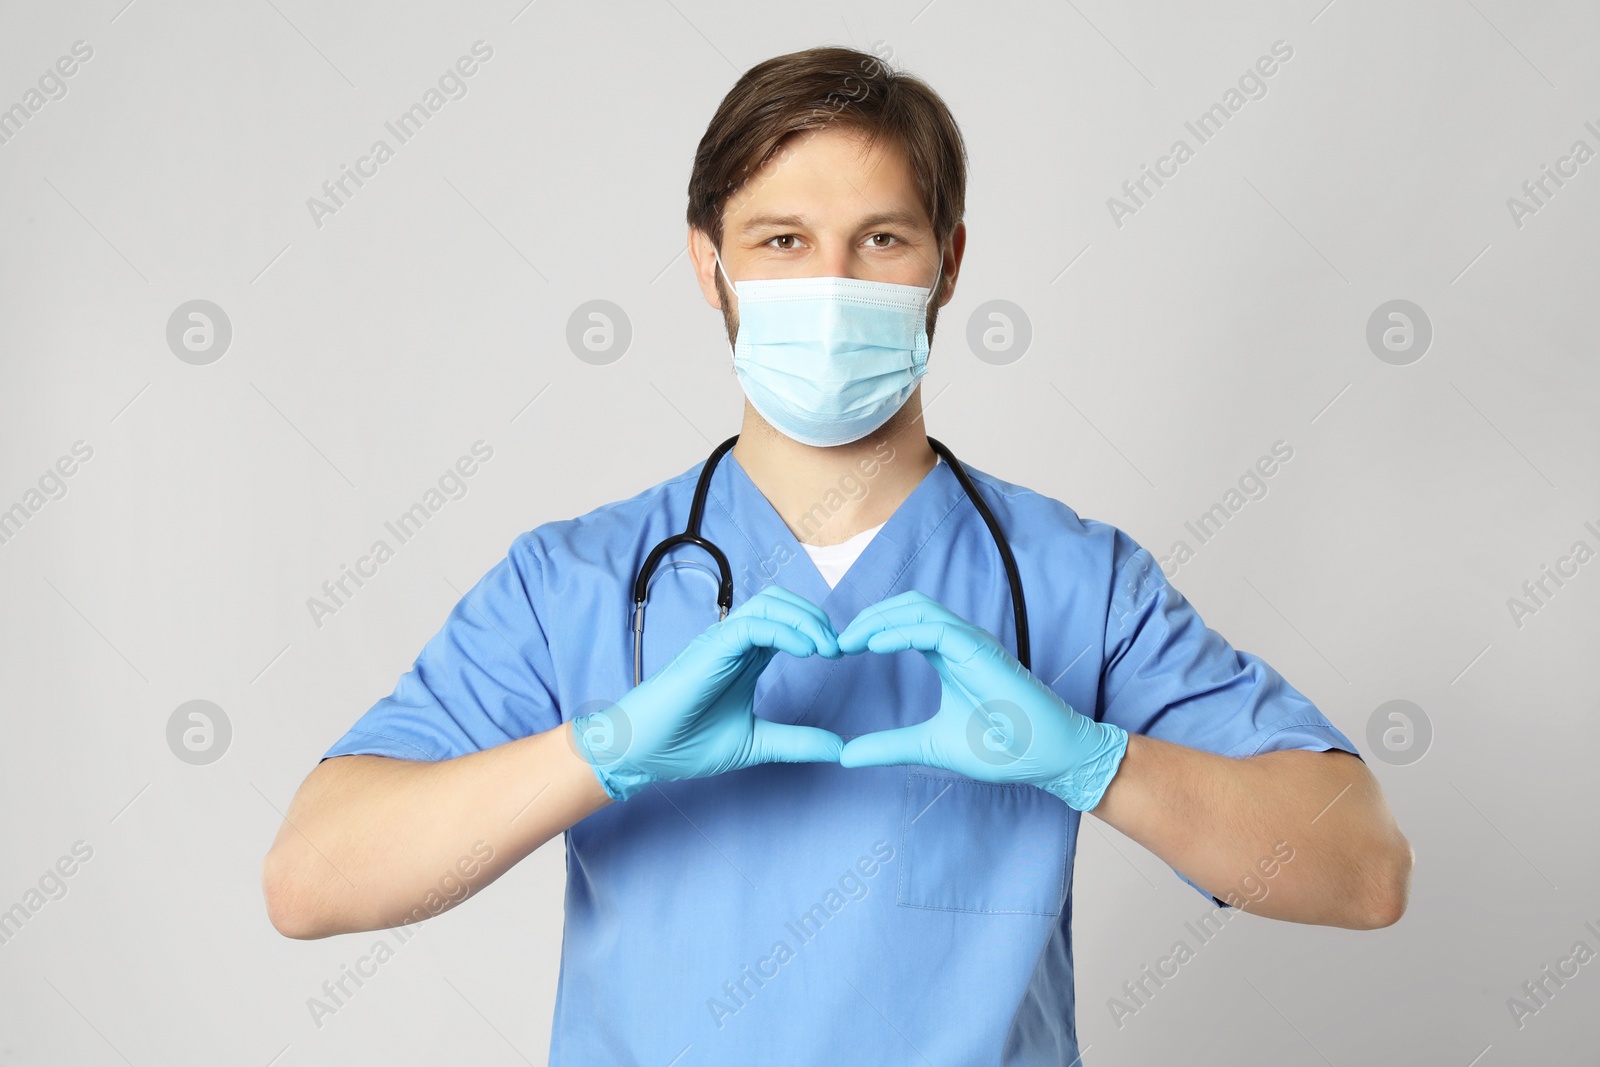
(837, 261)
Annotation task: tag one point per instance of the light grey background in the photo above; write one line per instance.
(431, 311)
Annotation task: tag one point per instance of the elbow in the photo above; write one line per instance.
(284, 908)
(1393, 888)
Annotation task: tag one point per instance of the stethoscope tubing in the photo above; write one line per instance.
(691, 536)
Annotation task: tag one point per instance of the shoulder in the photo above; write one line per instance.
(1036, 515)
(1071, 554)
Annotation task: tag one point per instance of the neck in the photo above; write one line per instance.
(828, 495)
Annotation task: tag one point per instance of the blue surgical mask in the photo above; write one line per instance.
(828, 360)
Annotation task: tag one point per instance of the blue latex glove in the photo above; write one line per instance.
(996, 722)
(695, 717)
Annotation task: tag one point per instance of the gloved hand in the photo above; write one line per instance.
(996, 722)
(695, 717)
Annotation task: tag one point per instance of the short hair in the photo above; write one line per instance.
(808, 90)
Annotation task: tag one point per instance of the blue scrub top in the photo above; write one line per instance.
(809, 912)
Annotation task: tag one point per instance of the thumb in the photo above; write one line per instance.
(780, 742)
(908, 744)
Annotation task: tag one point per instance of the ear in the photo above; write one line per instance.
(952, 263)
(701, 254)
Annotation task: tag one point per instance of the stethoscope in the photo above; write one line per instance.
(691, 536)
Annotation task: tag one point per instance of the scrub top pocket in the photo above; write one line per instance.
(975, 847)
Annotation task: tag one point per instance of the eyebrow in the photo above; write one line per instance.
(881, 218)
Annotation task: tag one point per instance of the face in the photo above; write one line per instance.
(826, 206)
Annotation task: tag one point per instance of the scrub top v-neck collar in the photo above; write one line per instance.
(873, 574)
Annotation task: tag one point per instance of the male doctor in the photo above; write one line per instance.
(838, 825)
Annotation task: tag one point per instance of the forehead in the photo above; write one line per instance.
(828, 176)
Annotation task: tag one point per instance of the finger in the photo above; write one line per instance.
(904, 610)
(802, 616)
(745, 632)
(821, 616)
(854, 642)
(753, 632)
(778, 742)
(908, 744)
(800, 602)
(955, 642)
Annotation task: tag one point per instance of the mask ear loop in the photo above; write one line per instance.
(928, 300)
(724, 270)
(731, 349)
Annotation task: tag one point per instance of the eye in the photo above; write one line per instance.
(889, 236)
(783, 237)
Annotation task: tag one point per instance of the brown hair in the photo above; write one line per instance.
(807, 90)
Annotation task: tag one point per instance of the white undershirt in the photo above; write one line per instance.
(834, 560)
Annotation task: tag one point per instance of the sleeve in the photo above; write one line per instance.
(484, 679)
(1167, 675)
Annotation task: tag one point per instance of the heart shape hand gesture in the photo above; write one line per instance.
(996, 722)
(696, 717)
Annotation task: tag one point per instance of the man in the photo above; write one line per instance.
(838, 825)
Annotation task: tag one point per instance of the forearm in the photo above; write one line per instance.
(371, 842)
(1223, 822)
